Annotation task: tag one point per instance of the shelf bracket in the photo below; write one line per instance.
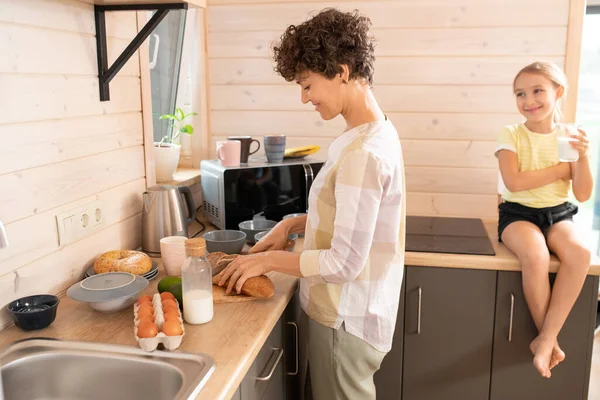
(106, 74)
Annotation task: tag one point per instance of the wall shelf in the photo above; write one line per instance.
(106, 74)
(191, 3)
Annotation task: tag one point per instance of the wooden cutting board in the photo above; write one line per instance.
(219, 296)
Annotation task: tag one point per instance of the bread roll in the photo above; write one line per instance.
(259, 286)
(134, 262)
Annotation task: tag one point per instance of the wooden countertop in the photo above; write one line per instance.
(233, 338)
(504, 260)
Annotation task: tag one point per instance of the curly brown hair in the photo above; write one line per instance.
(323, 43)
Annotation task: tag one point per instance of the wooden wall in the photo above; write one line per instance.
(444, 72)
(62, 147)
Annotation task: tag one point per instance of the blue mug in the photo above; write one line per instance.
(274, 147)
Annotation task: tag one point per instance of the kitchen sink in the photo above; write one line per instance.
(67, 370)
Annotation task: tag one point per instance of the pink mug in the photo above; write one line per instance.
(228, 152)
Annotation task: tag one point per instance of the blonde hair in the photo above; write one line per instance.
(554, 74)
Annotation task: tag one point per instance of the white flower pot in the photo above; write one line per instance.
(166, 159)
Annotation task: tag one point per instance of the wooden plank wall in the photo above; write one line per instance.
(62, 146)
(444, 72)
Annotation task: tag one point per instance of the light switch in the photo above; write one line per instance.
(79, 222)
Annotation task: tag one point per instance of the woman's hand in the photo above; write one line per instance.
(243, 268)
(581, 143)
(274, 240)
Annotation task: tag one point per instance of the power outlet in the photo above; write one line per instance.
(79, 222)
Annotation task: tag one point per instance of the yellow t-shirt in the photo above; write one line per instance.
(535, 151)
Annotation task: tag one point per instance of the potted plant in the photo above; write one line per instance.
(166, 152)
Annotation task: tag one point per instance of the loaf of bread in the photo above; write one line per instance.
(219, 261)
(213, 258)
(134, 262)
(260, 286)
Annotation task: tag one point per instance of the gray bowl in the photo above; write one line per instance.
(226, 241)
(294, 216)
(109, 292)
(293, 237)
(251, 228)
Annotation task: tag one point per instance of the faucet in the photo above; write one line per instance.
(3, 236)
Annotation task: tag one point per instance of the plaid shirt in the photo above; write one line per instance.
(353, 259)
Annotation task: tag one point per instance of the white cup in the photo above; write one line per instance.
(566, 153)
(172, 252)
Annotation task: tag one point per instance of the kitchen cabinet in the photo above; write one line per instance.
(448, 326)
(464, 334)
(388, 379)
(272, 375)
(513, 376)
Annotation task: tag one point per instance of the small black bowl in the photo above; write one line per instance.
(34, 312)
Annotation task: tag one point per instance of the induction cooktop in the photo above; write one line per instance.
(447, 235)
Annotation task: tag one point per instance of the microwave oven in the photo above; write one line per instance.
(257, 189)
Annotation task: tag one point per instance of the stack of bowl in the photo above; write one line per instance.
(289, 245)
(252, 227)
(226, 241)
(112, 291)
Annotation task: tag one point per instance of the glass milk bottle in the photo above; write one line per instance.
(196, 282)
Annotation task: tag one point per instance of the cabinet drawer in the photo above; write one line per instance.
(252, 388)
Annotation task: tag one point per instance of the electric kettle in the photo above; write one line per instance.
(164, 214)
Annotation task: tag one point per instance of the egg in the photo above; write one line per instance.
(145, 299)
(166, 303)
(166, 295)
(171, 314)
(146, 306)
(145, 312)
(170, 307)
(147, 330)
(146, 319)
(172, 328)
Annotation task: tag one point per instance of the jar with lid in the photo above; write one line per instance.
(196, 282)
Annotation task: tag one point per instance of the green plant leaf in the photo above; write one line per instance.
(167, 116)
(190, 115)
(179, 113)
(189, 129)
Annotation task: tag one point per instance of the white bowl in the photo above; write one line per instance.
(108, 292)
(116, 304)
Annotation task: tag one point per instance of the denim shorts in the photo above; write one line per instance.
(543, 218)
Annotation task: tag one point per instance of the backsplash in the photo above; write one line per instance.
(63, 147)
(443, 76)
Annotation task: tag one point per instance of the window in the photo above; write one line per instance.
(588, 115)
(166, 45)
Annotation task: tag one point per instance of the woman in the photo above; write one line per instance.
(353, 258)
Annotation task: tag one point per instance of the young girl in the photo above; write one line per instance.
(535, 216)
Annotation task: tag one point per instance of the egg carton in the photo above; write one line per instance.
(150, 344)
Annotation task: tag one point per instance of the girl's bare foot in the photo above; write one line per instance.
(542, 349)
(557, 356)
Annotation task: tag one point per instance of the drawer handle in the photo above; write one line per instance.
(277, 359)
(296, 329)
(510, 321)
(419, 312)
